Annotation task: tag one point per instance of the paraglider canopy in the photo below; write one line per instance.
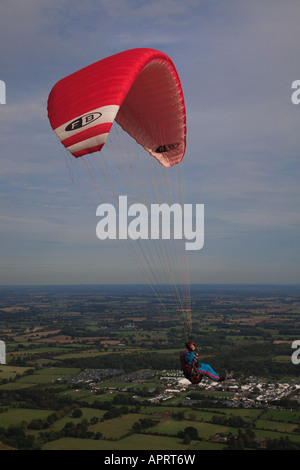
(130, 106)
(139, 89)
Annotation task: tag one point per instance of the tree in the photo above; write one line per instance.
(189, 431)
(77, 413)
(192, 432)
(186, 439)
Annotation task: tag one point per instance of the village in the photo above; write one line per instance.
(244, 392)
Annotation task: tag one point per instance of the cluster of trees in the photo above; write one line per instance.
(43, 399)
(142, 424)
(247, 359)
(188, 434)
(129, 362)
(40, 424)
(71, 429)
(282, 444)
(247, 440)
(232, 421)
(17, 438)
(116, 412)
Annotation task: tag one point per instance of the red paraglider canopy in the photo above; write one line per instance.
(139, 89)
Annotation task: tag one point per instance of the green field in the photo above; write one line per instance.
(205, 430)
(134, 442)
(15, 416)
(164, 435)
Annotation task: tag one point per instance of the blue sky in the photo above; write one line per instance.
(236, 60)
